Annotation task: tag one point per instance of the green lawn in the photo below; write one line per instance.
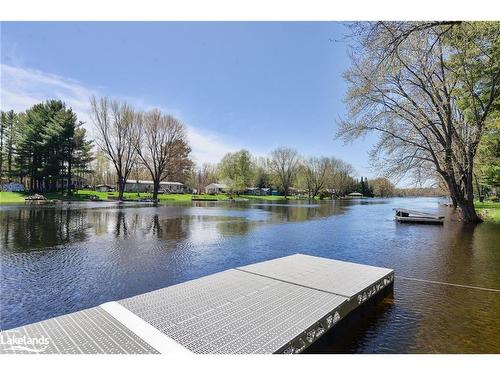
(489, 211)
(161, 197)
(10, 197)
(84, 195)
(18, 197)
(263, 197)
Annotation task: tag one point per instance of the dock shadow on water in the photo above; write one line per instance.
(57, 260)
(348, 334)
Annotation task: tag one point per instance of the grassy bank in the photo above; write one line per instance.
(84, 195)
(489, 211)
(10, 197)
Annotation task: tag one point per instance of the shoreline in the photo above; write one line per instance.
(489, 211)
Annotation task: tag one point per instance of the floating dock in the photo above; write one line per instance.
(404, 215)
(278, 306)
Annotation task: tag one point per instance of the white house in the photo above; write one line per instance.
(355, 195)
(104, 188)
(215, 188)
(77, 182)
(146, 186)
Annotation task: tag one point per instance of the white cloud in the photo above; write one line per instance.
(207, 148)
(23, 87)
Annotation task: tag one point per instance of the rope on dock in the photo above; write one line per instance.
(449, 284)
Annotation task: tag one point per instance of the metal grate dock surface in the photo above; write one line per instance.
(278, 306)
(91, 331)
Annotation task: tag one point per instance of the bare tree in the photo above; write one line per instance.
(283, 163)
(116, 136)
(382, 187)
(204, 175)
(207, 175)
(339, 178)
(101, 169)
(428, 90)
(161, 139)
(315, 175)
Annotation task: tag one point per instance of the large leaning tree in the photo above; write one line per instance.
(428, 88)
(116, 128)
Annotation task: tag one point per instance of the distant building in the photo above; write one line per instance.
(104, 188)
(257, 191)
(146, 186)
(77, 182)
(12, 186)
(295, 191)
(215, 188)
(355, 194)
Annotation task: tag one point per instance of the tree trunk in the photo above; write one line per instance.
(468, 211)
(479, 189)
(156, 188)
(9, 161)
(1, 151)
(464, 199)
(69, 179)
(121, 187)
(454, 202)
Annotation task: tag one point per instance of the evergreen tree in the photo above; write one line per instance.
(8, 128)
(50, 139)
(3, 127)
(82, 152)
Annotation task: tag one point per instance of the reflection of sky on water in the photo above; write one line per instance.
(249, 214)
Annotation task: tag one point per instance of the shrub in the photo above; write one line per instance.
(324, 194)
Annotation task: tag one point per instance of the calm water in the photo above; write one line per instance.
(59, 260)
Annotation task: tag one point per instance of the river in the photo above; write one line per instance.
(57, 260)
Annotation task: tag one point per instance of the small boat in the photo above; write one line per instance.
(404, 215)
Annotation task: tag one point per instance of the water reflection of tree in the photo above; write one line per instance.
(25, 229)
(234, 227)
(33, 228)
(279, 213)
(126, 222)
(466, 254)
(173, 228)
(121, 228)
(302, 212)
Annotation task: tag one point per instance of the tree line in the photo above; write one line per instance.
(431, 90)
(285, 170)
(46, 146)
(43, 147)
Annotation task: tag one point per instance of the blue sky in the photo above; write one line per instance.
(252, 85)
